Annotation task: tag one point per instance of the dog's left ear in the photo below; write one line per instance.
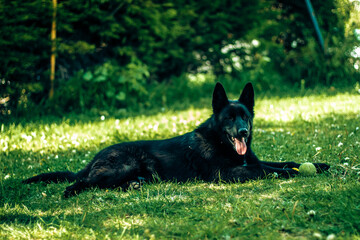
(220, 99)
(247, 97)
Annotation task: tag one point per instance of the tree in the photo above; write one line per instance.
(53, 50)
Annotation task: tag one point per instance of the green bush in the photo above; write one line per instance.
(296, 53)
(105, 86)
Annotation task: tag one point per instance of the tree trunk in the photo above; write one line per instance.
(53, 50)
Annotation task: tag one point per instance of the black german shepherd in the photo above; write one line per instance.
(220, 148)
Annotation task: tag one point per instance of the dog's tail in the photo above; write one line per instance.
(52, 177)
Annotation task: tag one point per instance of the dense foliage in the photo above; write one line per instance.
(110, 53)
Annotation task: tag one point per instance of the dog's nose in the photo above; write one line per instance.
(243, 132)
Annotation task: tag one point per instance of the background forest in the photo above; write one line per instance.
(131, 54)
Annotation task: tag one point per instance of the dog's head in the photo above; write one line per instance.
(234, 118)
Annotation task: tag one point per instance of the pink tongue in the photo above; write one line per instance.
(240, 146)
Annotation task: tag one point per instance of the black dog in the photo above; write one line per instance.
(220, 148)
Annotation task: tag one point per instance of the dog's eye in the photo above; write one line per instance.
(246, 118)
(230, 118)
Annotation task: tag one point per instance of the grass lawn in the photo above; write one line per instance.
(318, 128)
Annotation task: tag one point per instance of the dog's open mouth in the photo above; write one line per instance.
(239, 145)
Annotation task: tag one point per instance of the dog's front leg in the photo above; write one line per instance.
(320, 167)
(282, 172)
(240, 173)
(254, 171)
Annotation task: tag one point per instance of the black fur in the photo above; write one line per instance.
(220, 148)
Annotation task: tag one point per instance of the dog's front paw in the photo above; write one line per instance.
(321, 167)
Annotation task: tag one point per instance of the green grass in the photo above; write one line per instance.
(316, 128)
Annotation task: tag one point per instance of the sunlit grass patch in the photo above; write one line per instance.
(310, 109)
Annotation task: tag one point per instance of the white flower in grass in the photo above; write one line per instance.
(311, 213)
(317, 235)
(340, 144)
(102, 118)
(331, 237)
(318, 149)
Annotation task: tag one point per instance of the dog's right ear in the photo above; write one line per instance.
(220, 99)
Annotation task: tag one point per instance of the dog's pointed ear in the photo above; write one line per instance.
(247, 97)
(220, 99)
